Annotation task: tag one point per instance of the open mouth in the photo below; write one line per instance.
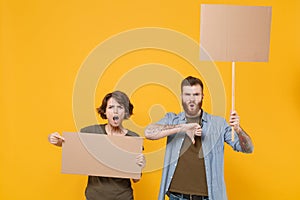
(115, 118)
(192, 105)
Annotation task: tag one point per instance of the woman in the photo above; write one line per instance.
(115, 107)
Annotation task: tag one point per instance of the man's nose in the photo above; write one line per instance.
(192, 98)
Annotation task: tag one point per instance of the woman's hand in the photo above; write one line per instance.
(56, 139)
(140, 160)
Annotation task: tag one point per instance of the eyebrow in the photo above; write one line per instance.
(192, 93)
(111, 105)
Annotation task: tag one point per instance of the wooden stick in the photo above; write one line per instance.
(232, 94)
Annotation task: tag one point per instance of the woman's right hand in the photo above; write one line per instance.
(56, 139)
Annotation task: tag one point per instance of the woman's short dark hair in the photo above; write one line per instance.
(121, 98)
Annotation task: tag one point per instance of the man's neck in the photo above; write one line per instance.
(194, 116)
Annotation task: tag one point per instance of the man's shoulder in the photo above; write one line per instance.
(172, 118)
(212, 117)
(173, 114)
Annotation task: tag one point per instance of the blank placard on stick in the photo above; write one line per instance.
(235, 33)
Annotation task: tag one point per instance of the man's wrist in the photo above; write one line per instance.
(178, 127)
(239, 130)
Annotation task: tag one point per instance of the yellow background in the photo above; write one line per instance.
(44, 43)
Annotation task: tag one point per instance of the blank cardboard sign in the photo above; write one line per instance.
(101, 155)
(235, 33)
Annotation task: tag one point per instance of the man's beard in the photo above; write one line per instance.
(193, 112)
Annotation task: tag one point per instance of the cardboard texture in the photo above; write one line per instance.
(101, 155)
(235, 33)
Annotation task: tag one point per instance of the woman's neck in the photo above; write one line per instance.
(111, 130)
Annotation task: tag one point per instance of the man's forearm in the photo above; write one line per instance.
(245, 141)
(157, 131)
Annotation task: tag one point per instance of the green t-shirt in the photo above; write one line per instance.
(107, 188)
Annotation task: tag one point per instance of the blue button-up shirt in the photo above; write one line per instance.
(215, 131)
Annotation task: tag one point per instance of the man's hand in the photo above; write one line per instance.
(192, 130)
(234, 121)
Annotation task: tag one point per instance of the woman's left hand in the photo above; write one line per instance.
(140, 160)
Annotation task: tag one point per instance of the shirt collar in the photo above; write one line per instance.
(183, 118)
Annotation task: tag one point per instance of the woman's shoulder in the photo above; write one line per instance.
(96, 128)
(131, 133)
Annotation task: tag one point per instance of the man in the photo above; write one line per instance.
(194, 157)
